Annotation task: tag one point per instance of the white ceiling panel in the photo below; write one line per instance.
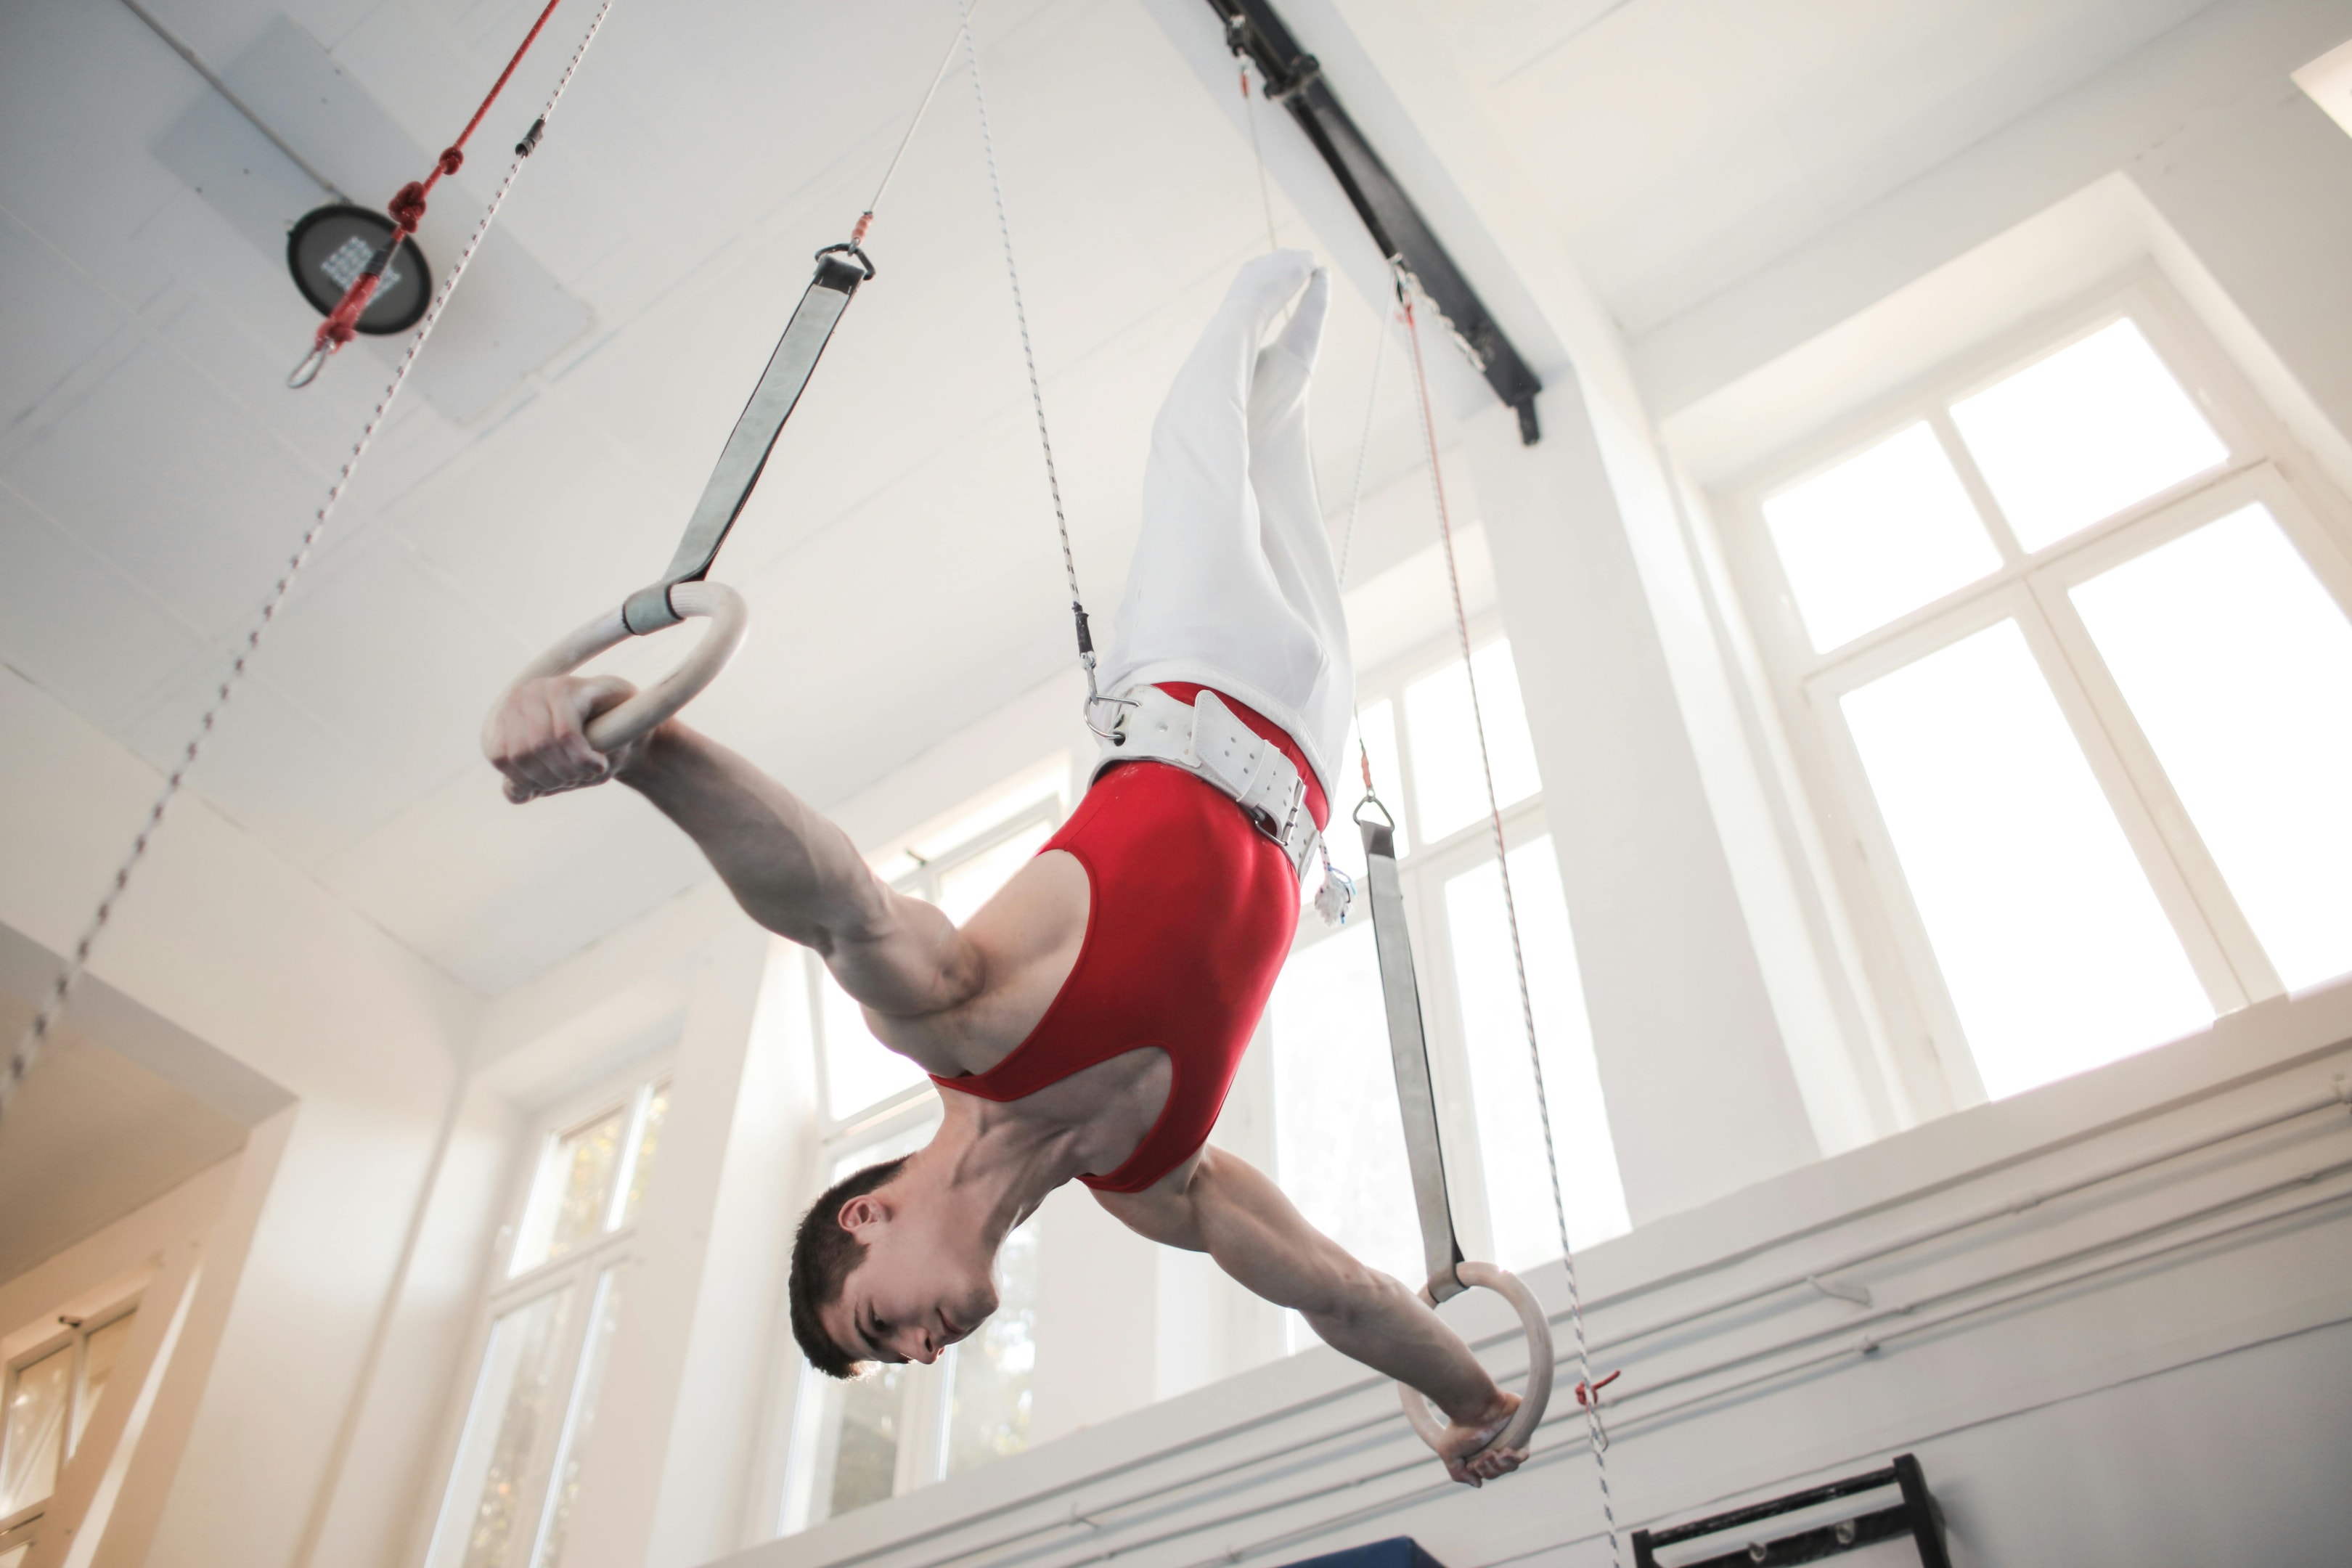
(178, 488)
(493, 893)
(75, 626)
(393, 664)
(55, 323)
(270, 764)
(83, 89)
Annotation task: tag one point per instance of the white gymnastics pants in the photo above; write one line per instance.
(1233, 584)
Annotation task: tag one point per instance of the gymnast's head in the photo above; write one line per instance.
(881, 1274)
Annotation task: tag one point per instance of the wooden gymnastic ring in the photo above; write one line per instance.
(1523, 1422)
(617, 726)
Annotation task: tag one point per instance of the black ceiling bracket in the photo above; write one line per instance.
(1295, 80)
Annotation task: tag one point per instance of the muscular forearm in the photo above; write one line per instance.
(795, 872)
(1256, 1235)
(1374, 1320)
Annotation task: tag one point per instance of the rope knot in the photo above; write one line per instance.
(1588, 1395)
(407, 207)
(452, 160)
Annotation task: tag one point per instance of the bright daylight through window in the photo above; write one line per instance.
(548, 1335)
(46, 1399)
(2041, 610)
(1339, 1141)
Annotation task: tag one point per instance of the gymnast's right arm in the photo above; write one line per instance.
(793, 870)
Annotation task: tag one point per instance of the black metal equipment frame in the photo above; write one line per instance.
(1915, 1516)
(1294, 79)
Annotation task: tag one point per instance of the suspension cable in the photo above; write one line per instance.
(1249, 112)
(1587, 1392)
(1347, 539)
(29, 1046)
(866, 218)
(1029, 362)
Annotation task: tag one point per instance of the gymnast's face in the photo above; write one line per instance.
(924, 1283)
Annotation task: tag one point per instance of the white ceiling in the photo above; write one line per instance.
(900, 558)
(1684, 143)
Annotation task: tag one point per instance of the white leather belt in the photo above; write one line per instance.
(1207, 739)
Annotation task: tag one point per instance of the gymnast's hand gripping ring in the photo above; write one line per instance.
(616, 726)
(1537, 1395)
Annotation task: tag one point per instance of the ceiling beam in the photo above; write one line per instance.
(1295, 80)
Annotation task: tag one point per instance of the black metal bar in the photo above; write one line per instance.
(1295, 78)
(1737, 1517)
(1812, 1545)
(1917, 1516)
(1927, 1515)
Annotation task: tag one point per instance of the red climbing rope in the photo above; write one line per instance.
(408, 210)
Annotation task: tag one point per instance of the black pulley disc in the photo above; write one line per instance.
(333, 245)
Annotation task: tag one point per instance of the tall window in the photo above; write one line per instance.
(899, 1428)
(2072, 653)
(1339, 1138)
(549, 1334)
(51, 1389)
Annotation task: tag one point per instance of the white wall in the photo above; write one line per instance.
(223, 940)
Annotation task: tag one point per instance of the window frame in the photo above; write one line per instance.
(17, 1528)
(1929, 1047)
(578, 1272)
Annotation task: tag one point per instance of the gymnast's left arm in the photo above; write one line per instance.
(1229, 1209)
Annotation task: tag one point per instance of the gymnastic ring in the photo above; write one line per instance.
(617, 726)
(1523, 1422)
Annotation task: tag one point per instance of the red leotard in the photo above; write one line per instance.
(1191, 914)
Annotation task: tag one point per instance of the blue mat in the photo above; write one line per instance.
(1396, 1551)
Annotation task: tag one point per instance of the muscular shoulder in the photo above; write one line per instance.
(1021, 946)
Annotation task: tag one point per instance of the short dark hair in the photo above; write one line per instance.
(823, 1253)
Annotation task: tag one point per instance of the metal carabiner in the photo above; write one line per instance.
(312, 363)
(850, 247)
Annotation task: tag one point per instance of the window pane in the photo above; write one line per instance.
(2052, 944)
(575, 1191)
(866, 1444)
(649, 1145)
(33, 1439)
(1502, 1082)
(890, 1148)
(989, 1402)
(580, 1423)
(1339, 1138)
(100, 1351)
(517, 1395)
(2238, 667)
(1449, 787)
(971, 884)
(853, 1431)
(1876, 537)
(2083, 434)
(858, 1068)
